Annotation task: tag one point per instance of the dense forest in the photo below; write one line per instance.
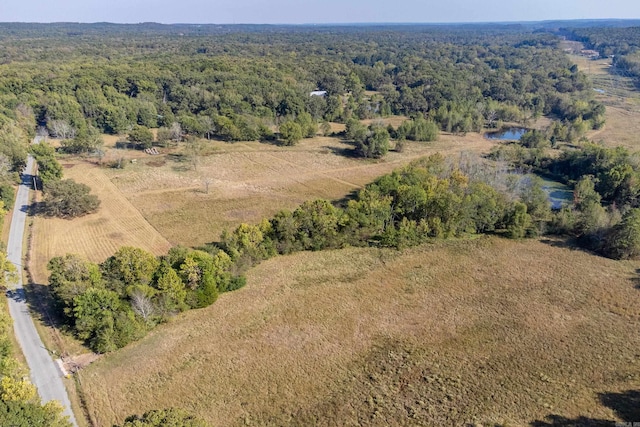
(235, 85)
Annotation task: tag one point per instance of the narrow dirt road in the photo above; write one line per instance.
(45, 374)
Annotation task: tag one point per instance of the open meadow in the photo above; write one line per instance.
(249, 181)
(487, 331)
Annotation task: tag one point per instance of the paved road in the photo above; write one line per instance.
(45, 374)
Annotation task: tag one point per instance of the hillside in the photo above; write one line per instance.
(488, 331)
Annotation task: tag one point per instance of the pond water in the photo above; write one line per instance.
(509, 134)
(559, 194)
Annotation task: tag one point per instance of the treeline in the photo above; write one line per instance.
(62, 198)
(235, 86)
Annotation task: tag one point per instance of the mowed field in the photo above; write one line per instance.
(251, 180)
(621, 99)
(487, 331)
(97, 236)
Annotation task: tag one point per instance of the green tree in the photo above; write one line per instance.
(291, 132)
(49, 169)
(70, 276)
(519, 221)
(68, 199)
(95, 312)
(129, 266)
(141, 136)
(375, 144)
(624, 240)
(171, 291)
(32, 414)
(355, 131)
(87, 140)
(8, 275)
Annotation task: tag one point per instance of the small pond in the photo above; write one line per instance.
(508, 134)
(559, 194)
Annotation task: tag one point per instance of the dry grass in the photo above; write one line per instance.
(97, 236)
(622, 101)
(251, 181)
(472, 331)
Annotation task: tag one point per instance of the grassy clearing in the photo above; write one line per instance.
(252, 180)
(471, 331)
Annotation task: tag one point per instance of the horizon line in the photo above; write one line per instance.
(363, 23)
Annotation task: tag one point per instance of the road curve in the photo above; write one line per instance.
(45, 373)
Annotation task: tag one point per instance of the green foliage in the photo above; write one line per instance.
(49, 169)
(128, 267)
(164, 418)
(67, 199)
(8, 274)
(87, 140)
(29, 414)
(70, 276)
(418, 129)
(355, 131)
(624, 240)
(375, 144)
(519, 221)
(13, 145)
(171, 290)
(291, 132)
(141, 136)
(534, 139)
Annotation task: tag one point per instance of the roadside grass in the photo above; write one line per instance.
(483, 331)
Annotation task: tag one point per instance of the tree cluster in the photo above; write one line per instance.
(111, 304)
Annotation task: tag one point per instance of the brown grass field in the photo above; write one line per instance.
(483, 331)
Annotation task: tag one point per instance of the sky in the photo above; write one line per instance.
(311, 11)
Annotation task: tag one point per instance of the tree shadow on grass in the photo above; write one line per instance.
(348, 151)
(182, 162)
(564, 243)
(626, 406)
(636, 279)
(43, 306)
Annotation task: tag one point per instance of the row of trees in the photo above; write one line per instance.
(113, 303)
(62, 198)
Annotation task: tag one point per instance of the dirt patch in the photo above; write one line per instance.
(156, 163)
(73, 364)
